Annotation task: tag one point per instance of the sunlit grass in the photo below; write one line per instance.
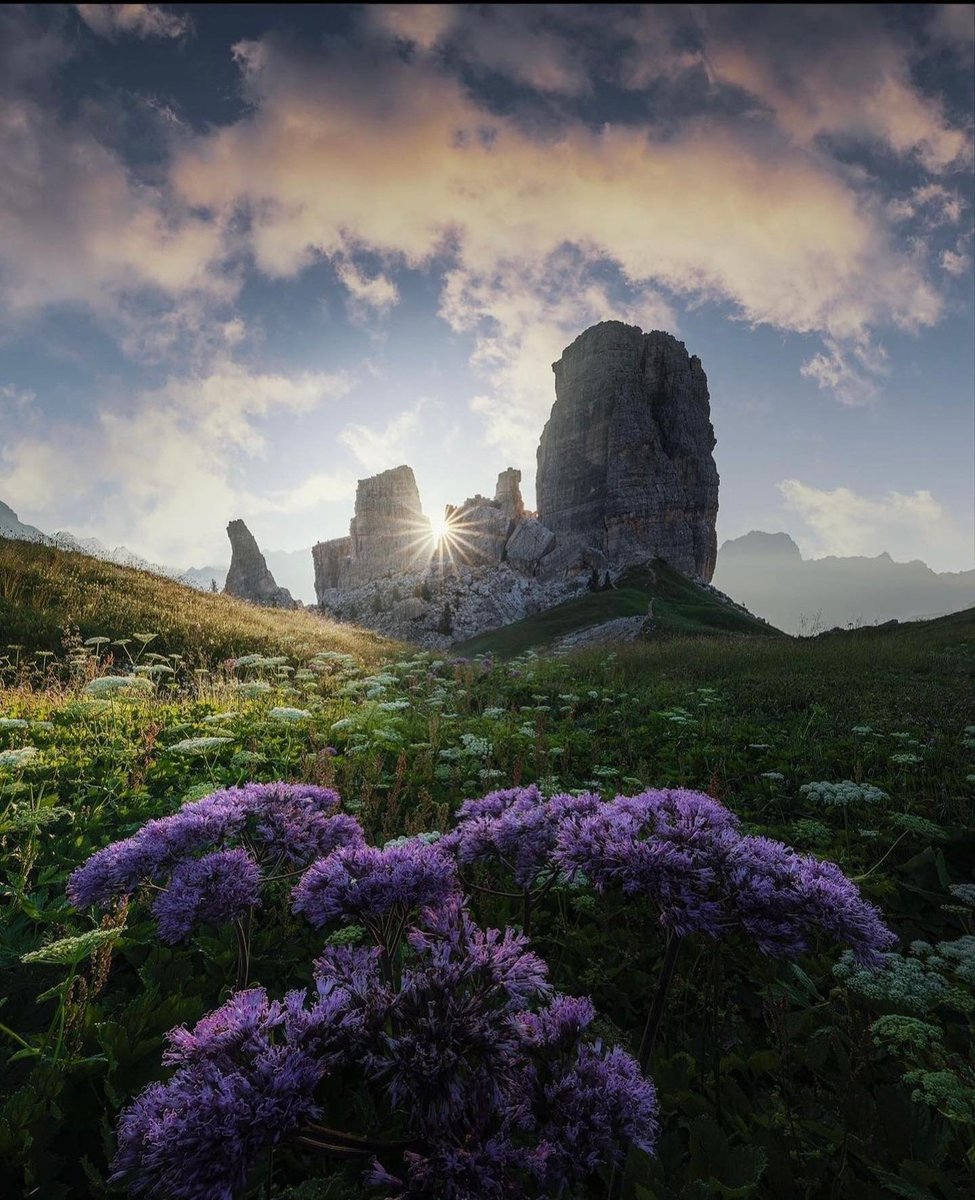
(44, 591)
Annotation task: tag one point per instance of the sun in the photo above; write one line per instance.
(440, 529)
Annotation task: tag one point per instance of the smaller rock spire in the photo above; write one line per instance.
(249, 577)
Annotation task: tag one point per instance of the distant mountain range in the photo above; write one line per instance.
(291, 568)
(767, 573)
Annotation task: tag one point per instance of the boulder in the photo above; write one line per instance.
(528, 544)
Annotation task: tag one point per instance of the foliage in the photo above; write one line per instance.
(774, 1078)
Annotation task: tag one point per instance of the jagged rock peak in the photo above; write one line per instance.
(508, 494)
(388, 535)
(625, 463)
(249, 577)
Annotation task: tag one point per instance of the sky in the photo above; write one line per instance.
(250, 254)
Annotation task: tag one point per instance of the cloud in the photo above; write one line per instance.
(954, 25)
(123, 236)
(520, 41)
(833, 73)
(166, 468)
(935, 204)
(379, 449)
(955, 262)
(849, 370)
(397, 157)
(135, 20)
(907, 525)
(368, 296)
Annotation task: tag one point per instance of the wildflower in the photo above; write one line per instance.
(210, 890)
(906, 760)
(774, 776)
(289, 714)
(898, 979)
(13, 723)
(360, 882)
(517, 828)
(297, 822)
(684, 851)
(12, 759)
(199, 745)
(965, 892)
(72, 950)
(107, 684)
(246, 1077)
(842, 795)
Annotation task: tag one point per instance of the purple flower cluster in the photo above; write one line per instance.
(288, 824)
(363, 883)
(517, 828)
(499, 1089)
(245, 1077)
(469, 1053)
(210, 890)
(685, 852)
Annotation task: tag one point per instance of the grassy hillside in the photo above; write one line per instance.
(44, 591)
(679, 607)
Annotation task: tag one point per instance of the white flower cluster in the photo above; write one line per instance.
(199, 745)
(11, 759)
(843, 794)
(289, 714)
(904, 981)
(109, 684)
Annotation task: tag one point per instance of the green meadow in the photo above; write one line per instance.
(124, 696)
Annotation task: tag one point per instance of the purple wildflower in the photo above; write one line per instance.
(517, 827)
(558, 1024)
(246, 1078)
(589, 1110)
(455, 1051)
(119, 868)
(372, 885)
(487, 1169)
(298, 822)
(218, 887)
(610, 849)
(685, 853)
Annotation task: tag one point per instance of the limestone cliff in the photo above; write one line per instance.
(625, 464)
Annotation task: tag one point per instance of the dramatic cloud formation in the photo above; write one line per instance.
(844, 522)
(719, 212)
(439, 198)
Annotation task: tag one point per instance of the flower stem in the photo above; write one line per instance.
(652, 1027)
(655, 1015)
(243, 954)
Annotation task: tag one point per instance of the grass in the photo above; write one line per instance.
(46, 591)
(775, 1081)
(679, 607)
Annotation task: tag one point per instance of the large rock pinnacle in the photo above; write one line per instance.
(625, 463)
(249, 577)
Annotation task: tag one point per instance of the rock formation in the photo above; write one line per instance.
(388, 535)
(625, 464)
(507, 494)
(625, 474)
(248, 577)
